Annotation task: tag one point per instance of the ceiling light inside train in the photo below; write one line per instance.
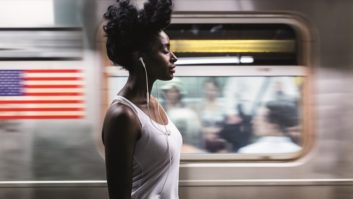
(215, 60)
(246, 59)
(233, 46)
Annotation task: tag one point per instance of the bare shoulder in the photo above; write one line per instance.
(121, 119)
(119, 112)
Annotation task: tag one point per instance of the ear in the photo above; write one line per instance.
(136, 56)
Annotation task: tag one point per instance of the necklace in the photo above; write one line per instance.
(166, 130)
(160, 116)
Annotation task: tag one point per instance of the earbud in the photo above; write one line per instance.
(142, 62)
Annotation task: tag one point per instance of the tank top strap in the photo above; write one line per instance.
(132, 106)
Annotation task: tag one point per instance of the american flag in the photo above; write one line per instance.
(41, 94)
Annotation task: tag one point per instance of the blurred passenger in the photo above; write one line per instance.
(173, 93)
(184, 118)
(246, 93)
(242, 97)
(211, 113)
(271, 127)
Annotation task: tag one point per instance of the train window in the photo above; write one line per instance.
(241, 87)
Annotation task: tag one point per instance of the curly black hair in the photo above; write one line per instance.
(284, 113)
(129, 30)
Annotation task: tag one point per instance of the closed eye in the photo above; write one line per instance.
(166, 48)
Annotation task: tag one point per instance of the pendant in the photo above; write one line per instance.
(168, 132)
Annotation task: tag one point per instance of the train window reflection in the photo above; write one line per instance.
(252, 115)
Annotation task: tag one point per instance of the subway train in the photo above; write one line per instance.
(243, 67)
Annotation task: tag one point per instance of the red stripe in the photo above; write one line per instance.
(52, 71)
(38, 109)
(41, 101)
(21, 117)
(54, 94)
(51, 78)
(52, 86)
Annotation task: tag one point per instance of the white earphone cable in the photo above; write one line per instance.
(148, 101)
(166, 133)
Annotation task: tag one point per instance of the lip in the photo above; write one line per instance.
(172, 69)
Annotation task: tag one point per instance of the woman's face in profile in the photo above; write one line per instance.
(160, 60)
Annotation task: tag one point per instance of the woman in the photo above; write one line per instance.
(212, 115)
(142, 146)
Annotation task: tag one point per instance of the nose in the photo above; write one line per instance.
(173, 58)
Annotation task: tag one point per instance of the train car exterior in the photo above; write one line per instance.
(52, 150)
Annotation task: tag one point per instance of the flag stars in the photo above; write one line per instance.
(10, 83)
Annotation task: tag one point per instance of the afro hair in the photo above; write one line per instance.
(129, 29)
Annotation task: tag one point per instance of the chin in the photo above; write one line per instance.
(169, 77)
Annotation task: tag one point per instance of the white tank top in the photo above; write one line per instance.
(156, 158)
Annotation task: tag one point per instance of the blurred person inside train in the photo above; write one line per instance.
(271, 126)
(142, 146)
(173, 93)
(242, 97)
(184, 117)
(211, 113)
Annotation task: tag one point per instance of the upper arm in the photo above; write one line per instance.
(121, 130)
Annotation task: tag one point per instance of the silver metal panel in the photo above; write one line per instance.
(37, 44)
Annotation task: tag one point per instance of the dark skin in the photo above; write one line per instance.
(121, 128)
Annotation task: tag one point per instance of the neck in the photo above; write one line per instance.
(136, 87)
(273, 133)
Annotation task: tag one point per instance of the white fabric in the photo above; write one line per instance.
(156, 158)
(271, 144)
